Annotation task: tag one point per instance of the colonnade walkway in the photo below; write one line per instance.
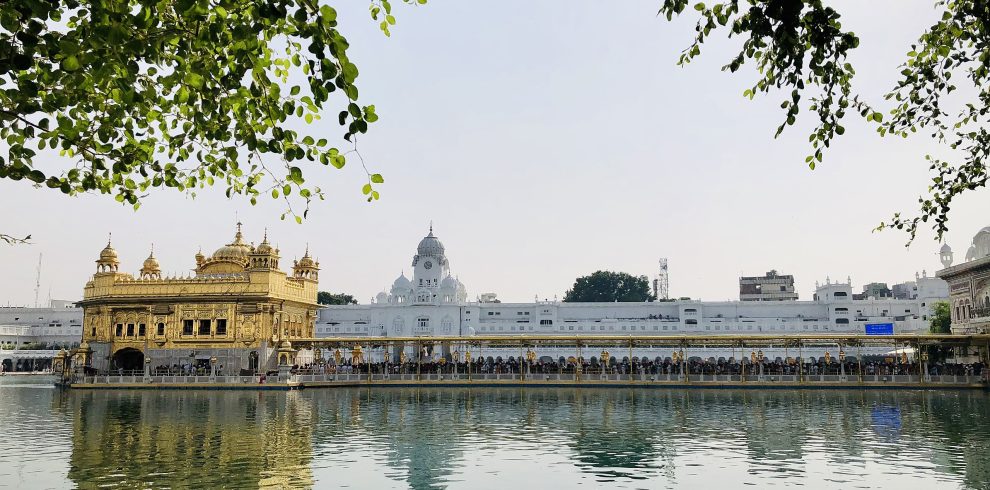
(729, 361)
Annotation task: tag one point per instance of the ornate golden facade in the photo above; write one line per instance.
(238, 309)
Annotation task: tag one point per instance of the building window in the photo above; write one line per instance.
(187, 327)
(221, 326)
(204, 327)
(119, 332)
(546, 322)
(141, 330)
(93, 332)
(161, 329)
(423, 322)
(130, 329)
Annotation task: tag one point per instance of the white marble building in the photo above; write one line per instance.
(58, 324)
(434, 303)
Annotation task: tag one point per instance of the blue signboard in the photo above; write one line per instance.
(879, 329)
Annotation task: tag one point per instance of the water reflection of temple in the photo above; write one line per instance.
(193, 439)
(431, 437)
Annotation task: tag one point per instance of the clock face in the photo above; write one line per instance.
(428, 265)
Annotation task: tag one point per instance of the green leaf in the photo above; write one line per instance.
(366, 189)
(377, 178)
(70, 63)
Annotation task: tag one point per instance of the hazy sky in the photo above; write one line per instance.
(547, 140)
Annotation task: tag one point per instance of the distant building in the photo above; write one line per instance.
(771, 287)
(969, 285)
(905, 290)
(877, 290)
(434, 303)
(58, 325)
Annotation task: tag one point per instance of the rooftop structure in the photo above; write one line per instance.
(769, 287)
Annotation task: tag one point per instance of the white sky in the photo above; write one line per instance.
(547, 140)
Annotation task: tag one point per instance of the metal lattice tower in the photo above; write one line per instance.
(661, 283)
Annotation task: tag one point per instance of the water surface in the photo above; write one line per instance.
(492, 438)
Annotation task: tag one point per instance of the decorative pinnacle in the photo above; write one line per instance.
(152, 250)
(109, 237)
(431, 227)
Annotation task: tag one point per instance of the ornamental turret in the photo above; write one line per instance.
(946, 255)
(108, 262)
(151, 269)
(306, 268)
(264, 256)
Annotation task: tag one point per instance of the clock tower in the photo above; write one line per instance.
(429, 264)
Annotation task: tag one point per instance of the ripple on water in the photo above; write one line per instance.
(483, 438)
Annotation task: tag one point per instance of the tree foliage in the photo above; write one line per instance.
(328, 298)
(608, 286)
(941, 319)
(800, 48)
(181, 94)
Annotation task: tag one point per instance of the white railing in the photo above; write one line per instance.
(593, 378)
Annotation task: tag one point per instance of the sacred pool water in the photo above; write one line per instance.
(492, 438)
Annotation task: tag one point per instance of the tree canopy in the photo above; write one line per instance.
(608, 286)
(328, 298)
(139, 95)
(941, 319)
(800, 49)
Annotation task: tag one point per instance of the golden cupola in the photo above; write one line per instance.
(108, 261)
(151, 269)
(231, 258)
(264, 256)
(306, 267)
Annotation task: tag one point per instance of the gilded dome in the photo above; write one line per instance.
(108, 254)
(306, 261)
(151, 263)
(236, 250)
(430, 245)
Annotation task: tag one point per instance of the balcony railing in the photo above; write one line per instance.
(982, 312)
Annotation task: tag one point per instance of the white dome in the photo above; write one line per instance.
(430, 245)
(402, 283)
(945, 248)
(449, 283)
(981, 245)
(382, 297)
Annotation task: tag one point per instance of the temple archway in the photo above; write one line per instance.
(129, 359)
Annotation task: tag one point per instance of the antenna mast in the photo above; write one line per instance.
(37, 282)
(661, 283)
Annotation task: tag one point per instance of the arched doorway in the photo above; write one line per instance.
(8, 365)
(129, 359)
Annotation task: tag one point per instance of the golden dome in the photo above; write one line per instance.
(306, 261)
(108, 254)
(236, 250)
(264, 247)
(151, 263)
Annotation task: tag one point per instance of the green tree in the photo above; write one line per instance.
(328, 298)
(800, 48)
(140, 95)
(941, 318)
(608, 286)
